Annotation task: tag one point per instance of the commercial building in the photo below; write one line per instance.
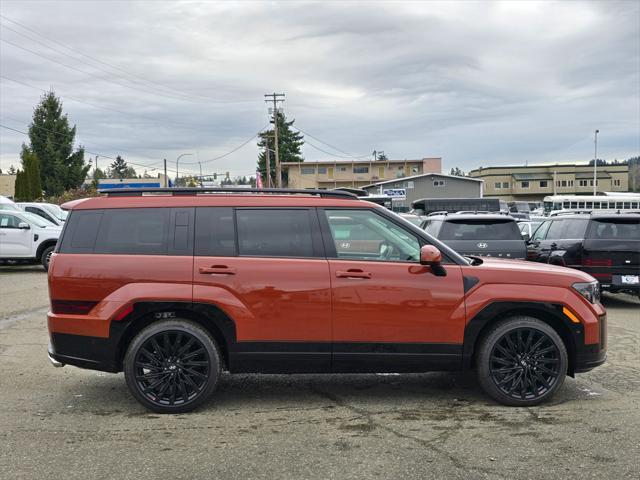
(430, 185)
(355, 173)
(533, 183)
(112, 183)
(7, 185)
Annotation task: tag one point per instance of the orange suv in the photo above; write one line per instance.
(173, 286)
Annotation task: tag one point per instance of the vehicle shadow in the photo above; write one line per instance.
(254, 393)
(610, 300)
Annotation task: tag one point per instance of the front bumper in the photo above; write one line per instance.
(591, 356)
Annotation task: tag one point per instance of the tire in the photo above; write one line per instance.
(521, 362)
(172, 366)
(46, 257)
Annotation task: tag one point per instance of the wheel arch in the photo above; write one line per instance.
(51, 242)
(211, 317)
(549, 313)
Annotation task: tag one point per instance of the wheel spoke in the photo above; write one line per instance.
(501, 361)
(195, 353)
(505, 352)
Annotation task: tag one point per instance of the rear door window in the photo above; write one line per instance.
(215, 232)
(480, 229)
(274, 232)
(567, 228)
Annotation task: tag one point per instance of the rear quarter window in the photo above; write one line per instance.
(139, 231)
(480, 229)
(80, 232)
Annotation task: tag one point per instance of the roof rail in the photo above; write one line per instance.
(438, 212)
(483, 212)
(133, 192)
(571, 212)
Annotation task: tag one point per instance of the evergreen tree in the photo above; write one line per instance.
(32, 186)
(119, 168)
(52, 139)
(289, 143)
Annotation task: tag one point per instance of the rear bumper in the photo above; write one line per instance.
(92, 353)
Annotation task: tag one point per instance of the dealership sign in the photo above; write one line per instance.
(396, 193)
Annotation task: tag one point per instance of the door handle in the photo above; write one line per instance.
(353, 273)
(217, 270)
(554, 245)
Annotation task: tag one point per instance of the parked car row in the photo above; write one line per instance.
(605, 245)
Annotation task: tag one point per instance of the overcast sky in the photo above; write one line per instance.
(475, 83)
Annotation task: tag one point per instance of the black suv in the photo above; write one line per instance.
(606, 246)
(482, 234)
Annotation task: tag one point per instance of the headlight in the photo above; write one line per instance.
(590, 291)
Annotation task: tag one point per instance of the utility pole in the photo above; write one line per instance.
(595, 162)
(200, 163)
(165, 173)
(276, 98)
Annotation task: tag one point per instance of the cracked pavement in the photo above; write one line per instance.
(71, 423)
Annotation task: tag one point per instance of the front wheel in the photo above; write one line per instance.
(172, 366)
(522, 361)
(45, 258)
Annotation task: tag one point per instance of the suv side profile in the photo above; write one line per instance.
(174, 286)
(606, 246)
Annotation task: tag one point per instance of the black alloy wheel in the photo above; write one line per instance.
(525, 363)
(522, 361)
(172, 367)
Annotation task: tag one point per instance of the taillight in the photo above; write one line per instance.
(73, 307)
(598, 262)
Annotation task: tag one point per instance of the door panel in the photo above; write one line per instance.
(14, 241)
(395, 316)
(283, 311)
(391, 313)
(272, 280)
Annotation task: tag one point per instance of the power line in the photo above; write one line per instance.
(230, 152)
(150, 119)
(329, 145)
(103, 62)
(101, 155)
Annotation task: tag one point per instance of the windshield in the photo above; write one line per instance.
(9, 206)
(484, 229)
(36, 220)
(56, 211)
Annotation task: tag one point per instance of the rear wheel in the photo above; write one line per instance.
(45, 258)
(522, 361)
(172, 366)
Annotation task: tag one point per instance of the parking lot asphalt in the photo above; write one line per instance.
(70, 423)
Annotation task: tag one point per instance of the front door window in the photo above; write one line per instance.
(365, 235)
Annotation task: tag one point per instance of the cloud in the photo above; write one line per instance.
(474, 82)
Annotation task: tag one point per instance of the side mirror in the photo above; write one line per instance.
(526, 237)
(430, 255)
(24, 226)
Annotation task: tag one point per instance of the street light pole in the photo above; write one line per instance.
(595, 163)
(178, 160)
(200, 163)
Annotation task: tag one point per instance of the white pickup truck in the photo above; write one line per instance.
(25, 236)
